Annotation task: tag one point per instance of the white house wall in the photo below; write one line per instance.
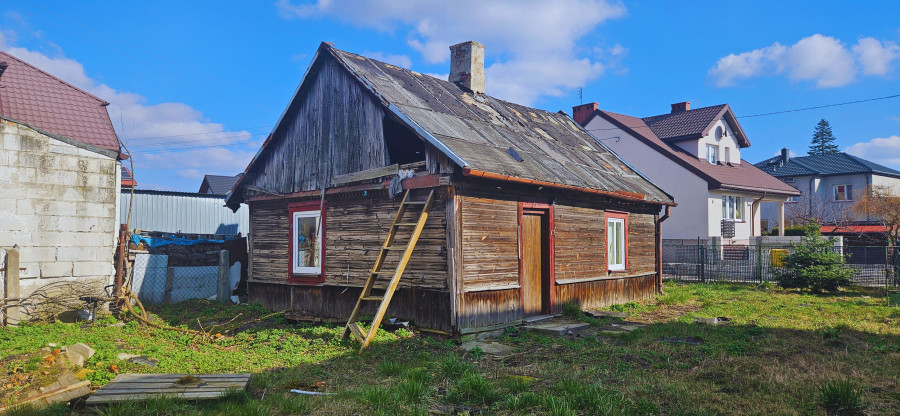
(58, 204)
(822, 193)
(689, 219)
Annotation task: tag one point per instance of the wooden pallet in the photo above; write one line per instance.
(138, 387)
(366, 336)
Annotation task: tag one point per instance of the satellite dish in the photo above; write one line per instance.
(720, 132)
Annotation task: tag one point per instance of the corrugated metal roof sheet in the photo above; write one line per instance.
(34, 97)
(173, 212)
(479, 129)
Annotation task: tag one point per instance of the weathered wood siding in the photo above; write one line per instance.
(425, 308)
(580, 242)
(599, 293)
(355, 228)
(492, 308)
(334, 128)
(489, 243)
(641, 244)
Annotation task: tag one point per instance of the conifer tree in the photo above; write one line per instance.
(822, 140)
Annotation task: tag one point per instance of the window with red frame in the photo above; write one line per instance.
(306, 250)
(616, 241)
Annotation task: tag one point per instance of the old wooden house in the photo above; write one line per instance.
(530, 210)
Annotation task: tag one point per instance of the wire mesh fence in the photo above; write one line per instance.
(873, 265)
(155, 281)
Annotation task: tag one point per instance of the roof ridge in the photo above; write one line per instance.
(686, 111)
(103, 102)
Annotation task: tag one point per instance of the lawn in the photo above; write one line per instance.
(783, 352)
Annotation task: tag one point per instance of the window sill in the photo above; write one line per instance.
(611, 272)
(306, 279)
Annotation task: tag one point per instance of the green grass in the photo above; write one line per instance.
(784, 352)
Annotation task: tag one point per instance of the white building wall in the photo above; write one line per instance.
(58, 204)
(689, 219)
(818, 198)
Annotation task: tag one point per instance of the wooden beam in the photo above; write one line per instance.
(329, 191)
(368, 174)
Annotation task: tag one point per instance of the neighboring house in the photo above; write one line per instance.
(218, 185)
(59, 179)
(531, 211)
(695, 156)
(128, 181)
(829, 184)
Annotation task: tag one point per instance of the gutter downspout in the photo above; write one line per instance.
(659, 259)
(753, 215)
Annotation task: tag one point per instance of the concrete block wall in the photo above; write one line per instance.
(59, 204)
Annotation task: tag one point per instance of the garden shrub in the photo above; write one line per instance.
(814, 265)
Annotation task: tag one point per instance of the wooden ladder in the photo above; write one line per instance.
(366, 295)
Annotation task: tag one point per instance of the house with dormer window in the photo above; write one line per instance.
(695, 156)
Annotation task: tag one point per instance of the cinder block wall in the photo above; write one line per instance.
(58, 203)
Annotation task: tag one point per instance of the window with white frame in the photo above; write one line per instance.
(732, 207)
(616, 242)
(306, 242)
(712, 154)
(843, 192)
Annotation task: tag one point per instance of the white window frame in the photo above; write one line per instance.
(732, 205)
(308, 270)
(848, 192)
(615, 246)
(712, 154)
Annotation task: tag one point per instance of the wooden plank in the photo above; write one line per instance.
(144, 386)
(367, 174)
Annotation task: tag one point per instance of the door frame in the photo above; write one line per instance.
(548, 302)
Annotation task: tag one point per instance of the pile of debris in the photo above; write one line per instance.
(51, 375)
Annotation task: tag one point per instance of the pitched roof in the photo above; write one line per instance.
(34, 97)
(694, 124)
(217, 184)
(127, 179)
(477, 131)
(741, 177)
(824, 165)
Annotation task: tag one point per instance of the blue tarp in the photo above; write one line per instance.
(154, 242)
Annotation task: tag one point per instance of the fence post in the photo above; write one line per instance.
(224, 292)
(11, 287)
(759, 259)
(701, 249)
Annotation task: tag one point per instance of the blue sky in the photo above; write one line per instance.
(195, 87)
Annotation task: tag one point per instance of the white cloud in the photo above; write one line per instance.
(152, 127)
(821, 59)
(874, 56)
(883, 150)
(533, 44)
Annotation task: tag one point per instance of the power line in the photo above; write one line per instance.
(821, 106)
(779, 112)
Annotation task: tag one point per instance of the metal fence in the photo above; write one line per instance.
(874, 266)
(155, 281)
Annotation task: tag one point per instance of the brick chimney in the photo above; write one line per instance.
(467, 66)
(680, 107)
(581, 113)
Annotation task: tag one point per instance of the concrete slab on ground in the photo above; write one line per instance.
(491, 348)
(606, 314)
(557, 328)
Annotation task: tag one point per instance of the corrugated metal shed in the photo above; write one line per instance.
(185, 212)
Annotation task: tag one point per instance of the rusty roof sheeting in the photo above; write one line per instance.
(479, 129)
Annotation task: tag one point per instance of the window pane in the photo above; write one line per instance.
(738, 207)
(307, 241)
(848, 192)
(724, 207)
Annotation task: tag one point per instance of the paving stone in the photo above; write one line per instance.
(144, 360)
(85, 351)
(556, 328)
(75, 358)
(125, 357)
(492, 348)
(607, 314)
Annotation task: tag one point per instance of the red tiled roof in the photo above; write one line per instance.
(853, 229)
(34, 97)
(127, 179)
(740, 177)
